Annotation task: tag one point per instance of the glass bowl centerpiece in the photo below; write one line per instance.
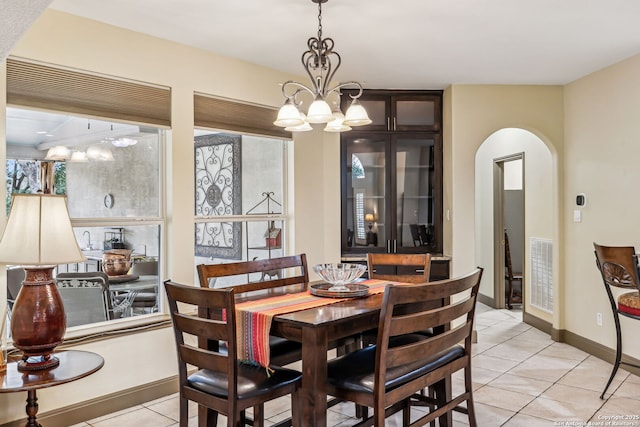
(339, 275)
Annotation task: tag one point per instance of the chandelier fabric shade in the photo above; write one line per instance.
(321, 62)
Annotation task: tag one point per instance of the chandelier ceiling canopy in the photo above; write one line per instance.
(321, 63)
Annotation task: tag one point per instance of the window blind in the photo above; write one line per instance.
(225, 114)
(36, 85)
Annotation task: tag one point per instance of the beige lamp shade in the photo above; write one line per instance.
(319, 111)
(356, 115)
(288, 115)
(368, 217)
(39, 232)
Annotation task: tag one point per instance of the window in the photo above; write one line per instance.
(357, 169)
(239, 201)
(359, 214)
(114, 201)
(22, 177)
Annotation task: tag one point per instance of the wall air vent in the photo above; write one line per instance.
(541, 295)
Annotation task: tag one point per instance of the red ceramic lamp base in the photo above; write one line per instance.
(38, 321)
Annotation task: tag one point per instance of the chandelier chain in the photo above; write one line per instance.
(319, 20)
(320, 61)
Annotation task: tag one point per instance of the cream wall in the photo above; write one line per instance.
(476, 112)
(316, 196)
(602, 152)
(69, 41)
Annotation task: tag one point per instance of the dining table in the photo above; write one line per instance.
(315, 328)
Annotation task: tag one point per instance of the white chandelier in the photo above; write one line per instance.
(321, 63)
(61, 153)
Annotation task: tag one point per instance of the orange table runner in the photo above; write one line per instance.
(253, 319)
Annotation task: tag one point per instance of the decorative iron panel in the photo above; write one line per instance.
(218, 193)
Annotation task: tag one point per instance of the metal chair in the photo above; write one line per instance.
(220, 384)
(145, 300)
(388, 375)
(15, 276)
(86, 297)
(618, 266)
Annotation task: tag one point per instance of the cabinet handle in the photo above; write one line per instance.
(388, 124)
(394, 123)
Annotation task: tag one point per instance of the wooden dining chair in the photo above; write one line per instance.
(618, 267)
(407, 268)
(388, 375)
(214, 379)
(294, 277)
(510, 276)
(283, 352)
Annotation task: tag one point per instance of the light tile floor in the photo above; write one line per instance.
(520, 377)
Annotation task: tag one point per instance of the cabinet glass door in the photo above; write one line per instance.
(378, 109)
(365, 214)
(415, 194)
(416, 113)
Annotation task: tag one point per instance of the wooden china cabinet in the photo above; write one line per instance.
(391, 177)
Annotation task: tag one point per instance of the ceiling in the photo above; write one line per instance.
(393, 44)
(401, 44)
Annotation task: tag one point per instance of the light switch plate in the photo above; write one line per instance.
(577, 215)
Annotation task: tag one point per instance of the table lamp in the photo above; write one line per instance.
(369, 218)
(372, 238)
(38, 236)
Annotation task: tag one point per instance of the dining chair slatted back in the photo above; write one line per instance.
(403, 362)
(295, 266)
(619, 268)
(86, 297)
(510, 276)
(283, 352)
(220, 383)
(407, 268)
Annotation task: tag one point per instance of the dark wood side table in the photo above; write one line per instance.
(73, 366)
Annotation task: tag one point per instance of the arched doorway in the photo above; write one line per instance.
(539, 218)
